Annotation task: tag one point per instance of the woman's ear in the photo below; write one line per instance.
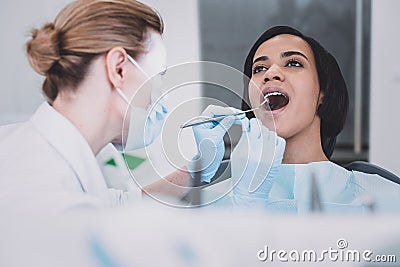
(116, 60)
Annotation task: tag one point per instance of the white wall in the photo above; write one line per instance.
(385, 85)
(20, 91)
(181, 34)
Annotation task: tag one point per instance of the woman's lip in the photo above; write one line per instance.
(276, 111)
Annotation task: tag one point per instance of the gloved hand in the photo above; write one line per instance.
(209, 141)
(255, 162)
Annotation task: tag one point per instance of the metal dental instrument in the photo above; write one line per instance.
(201, 120)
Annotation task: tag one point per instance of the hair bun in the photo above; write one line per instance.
(43, 48)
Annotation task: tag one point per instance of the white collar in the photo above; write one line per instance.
(65, 138)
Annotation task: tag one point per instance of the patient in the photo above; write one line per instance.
(308, 101)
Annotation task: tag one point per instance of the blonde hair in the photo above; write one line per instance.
(63, 50)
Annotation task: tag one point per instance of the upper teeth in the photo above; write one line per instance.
(274, 93)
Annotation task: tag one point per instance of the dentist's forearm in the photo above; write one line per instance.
(175, 184)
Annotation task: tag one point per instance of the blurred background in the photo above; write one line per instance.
(361, 34)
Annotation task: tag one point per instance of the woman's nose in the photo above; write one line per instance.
(273, 73)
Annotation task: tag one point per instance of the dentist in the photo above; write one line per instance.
(94, 56)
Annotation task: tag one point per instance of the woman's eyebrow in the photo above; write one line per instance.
(283, 55)
(262, 58)
(291, 53)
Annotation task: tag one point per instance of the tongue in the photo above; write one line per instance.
(277, 101)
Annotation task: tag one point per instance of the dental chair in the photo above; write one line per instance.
(366, 167)
(362, 166)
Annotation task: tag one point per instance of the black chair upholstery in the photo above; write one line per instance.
(366, 167)
(361, 166)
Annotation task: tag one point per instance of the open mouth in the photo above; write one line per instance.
(276, 100)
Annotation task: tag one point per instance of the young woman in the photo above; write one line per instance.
(308, 102)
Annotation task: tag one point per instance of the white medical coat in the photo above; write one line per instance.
(47, 165)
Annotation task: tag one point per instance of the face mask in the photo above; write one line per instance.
(145, 124)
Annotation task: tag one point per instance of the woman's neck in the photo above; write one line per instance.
(304, 147)
(91, 118)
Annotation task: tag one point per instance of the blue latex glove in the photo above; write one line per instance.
(209, 141)
(255, 162)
